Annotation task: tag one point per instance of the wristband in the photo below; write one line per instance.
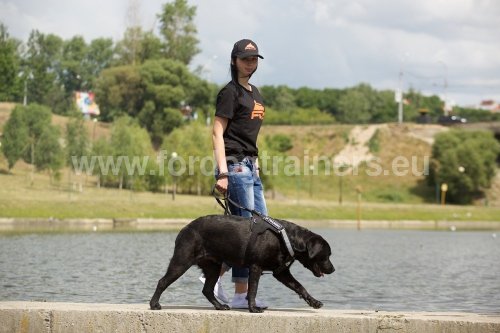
(222, 175)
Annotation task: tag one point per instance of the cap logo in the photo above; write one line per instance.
(250, 47)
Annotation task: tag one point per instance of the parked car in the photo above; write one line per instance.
(450, 120)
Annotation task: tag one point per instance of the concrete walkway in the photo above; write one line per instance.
(132, 318)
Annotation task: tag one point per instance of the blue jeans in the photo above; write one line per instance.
(245, 188)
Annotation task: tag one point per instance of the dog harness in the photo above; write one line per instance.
(259, 228)
(277, 228)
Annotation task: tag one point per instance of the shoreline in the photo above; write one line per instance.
(8, 225)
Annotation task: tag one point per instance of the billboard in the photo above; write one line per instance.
(85, 102)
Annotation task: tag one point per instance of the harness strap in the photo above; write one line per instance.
(277, 226)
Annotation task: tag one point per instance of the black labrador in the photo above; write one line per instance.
(245, 242)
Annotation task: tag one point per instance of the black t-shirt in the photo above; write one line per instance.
(245, 111)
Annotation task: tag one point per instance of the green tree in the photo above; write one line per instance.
(356, 105)
(168, 84)
(77, 140)
(77, 143)
(285, 100)
(9, 66)
(101, 149)
(72, 74)
(99, 56)
(43, 149)
(298, 116)
(418, 101)
(191, 143)
(269, 149)
(159, 123)
(131, 144)
(329, 100)
(119, 91)
(41, 65)
(29, 134)
(384, 108)
(15, 137)
(137, 46)
(179, 31)
(465, 161)
(152, 92)
(49, 154)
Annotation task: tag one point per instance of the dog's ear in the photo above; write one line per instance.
(299, 245)
(314, 246)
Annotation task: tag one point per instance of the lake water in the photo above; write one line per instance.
(375, 270)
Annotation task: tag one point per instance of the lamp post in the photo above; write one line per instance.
(399, 98)
(399, 91)
(342, 168)
(174, 176)
(93, 129)
(444, 189)
(311, 168)
(446, 107)
(28, 77)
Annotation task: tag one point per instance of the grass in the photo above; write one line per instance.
(307, 197)
(42, 200)
(326, 141)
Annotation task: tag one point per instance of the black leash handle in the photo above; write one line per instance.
(220, 197)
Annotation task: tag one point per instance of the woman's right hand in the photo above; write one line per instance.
(221, 185)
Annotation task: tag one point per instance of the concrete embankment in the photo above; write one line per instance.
(38, 224)
(132, 318)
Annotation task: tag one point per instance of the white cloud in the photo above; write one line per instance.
(316, 43)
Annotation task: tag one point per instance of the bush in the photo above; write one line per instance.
(280, 143)
(298, 116)
(465, 161)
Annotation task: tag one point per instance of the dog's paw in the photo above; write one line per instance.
(256, 309)
(314, 303)
(155, 306)
(222, 307)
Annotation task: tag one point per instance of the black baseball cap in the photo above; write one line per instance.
(245, 48)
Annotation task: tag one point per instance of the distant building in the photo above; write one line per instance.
(490, 105)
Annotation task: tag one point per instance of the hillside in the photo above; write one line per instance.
(95, 130)
(385, 162)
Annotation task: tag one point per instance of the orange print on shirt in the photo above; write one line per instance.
(258, 111)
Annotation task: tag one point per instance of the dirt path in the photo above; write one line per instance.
(356, 150)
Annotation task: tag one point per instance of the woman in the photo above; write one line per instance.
(238, 118)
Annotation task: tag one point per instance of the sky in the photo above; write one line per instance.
(449, 48)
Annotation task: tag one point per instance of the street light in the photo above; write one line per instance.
(444, 189)
(28, 77)
(311, 168)
(174, 176)
(447, 105)
(341, 174)
(399, 92)
(93, 130)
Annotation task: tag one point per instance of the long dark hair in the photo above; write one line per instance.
(234, 75)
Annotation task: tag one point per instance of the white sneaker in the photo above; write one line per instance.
(240, 301)
(218, 291)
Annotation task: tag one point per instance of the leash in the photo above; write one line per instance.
(278, 227)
